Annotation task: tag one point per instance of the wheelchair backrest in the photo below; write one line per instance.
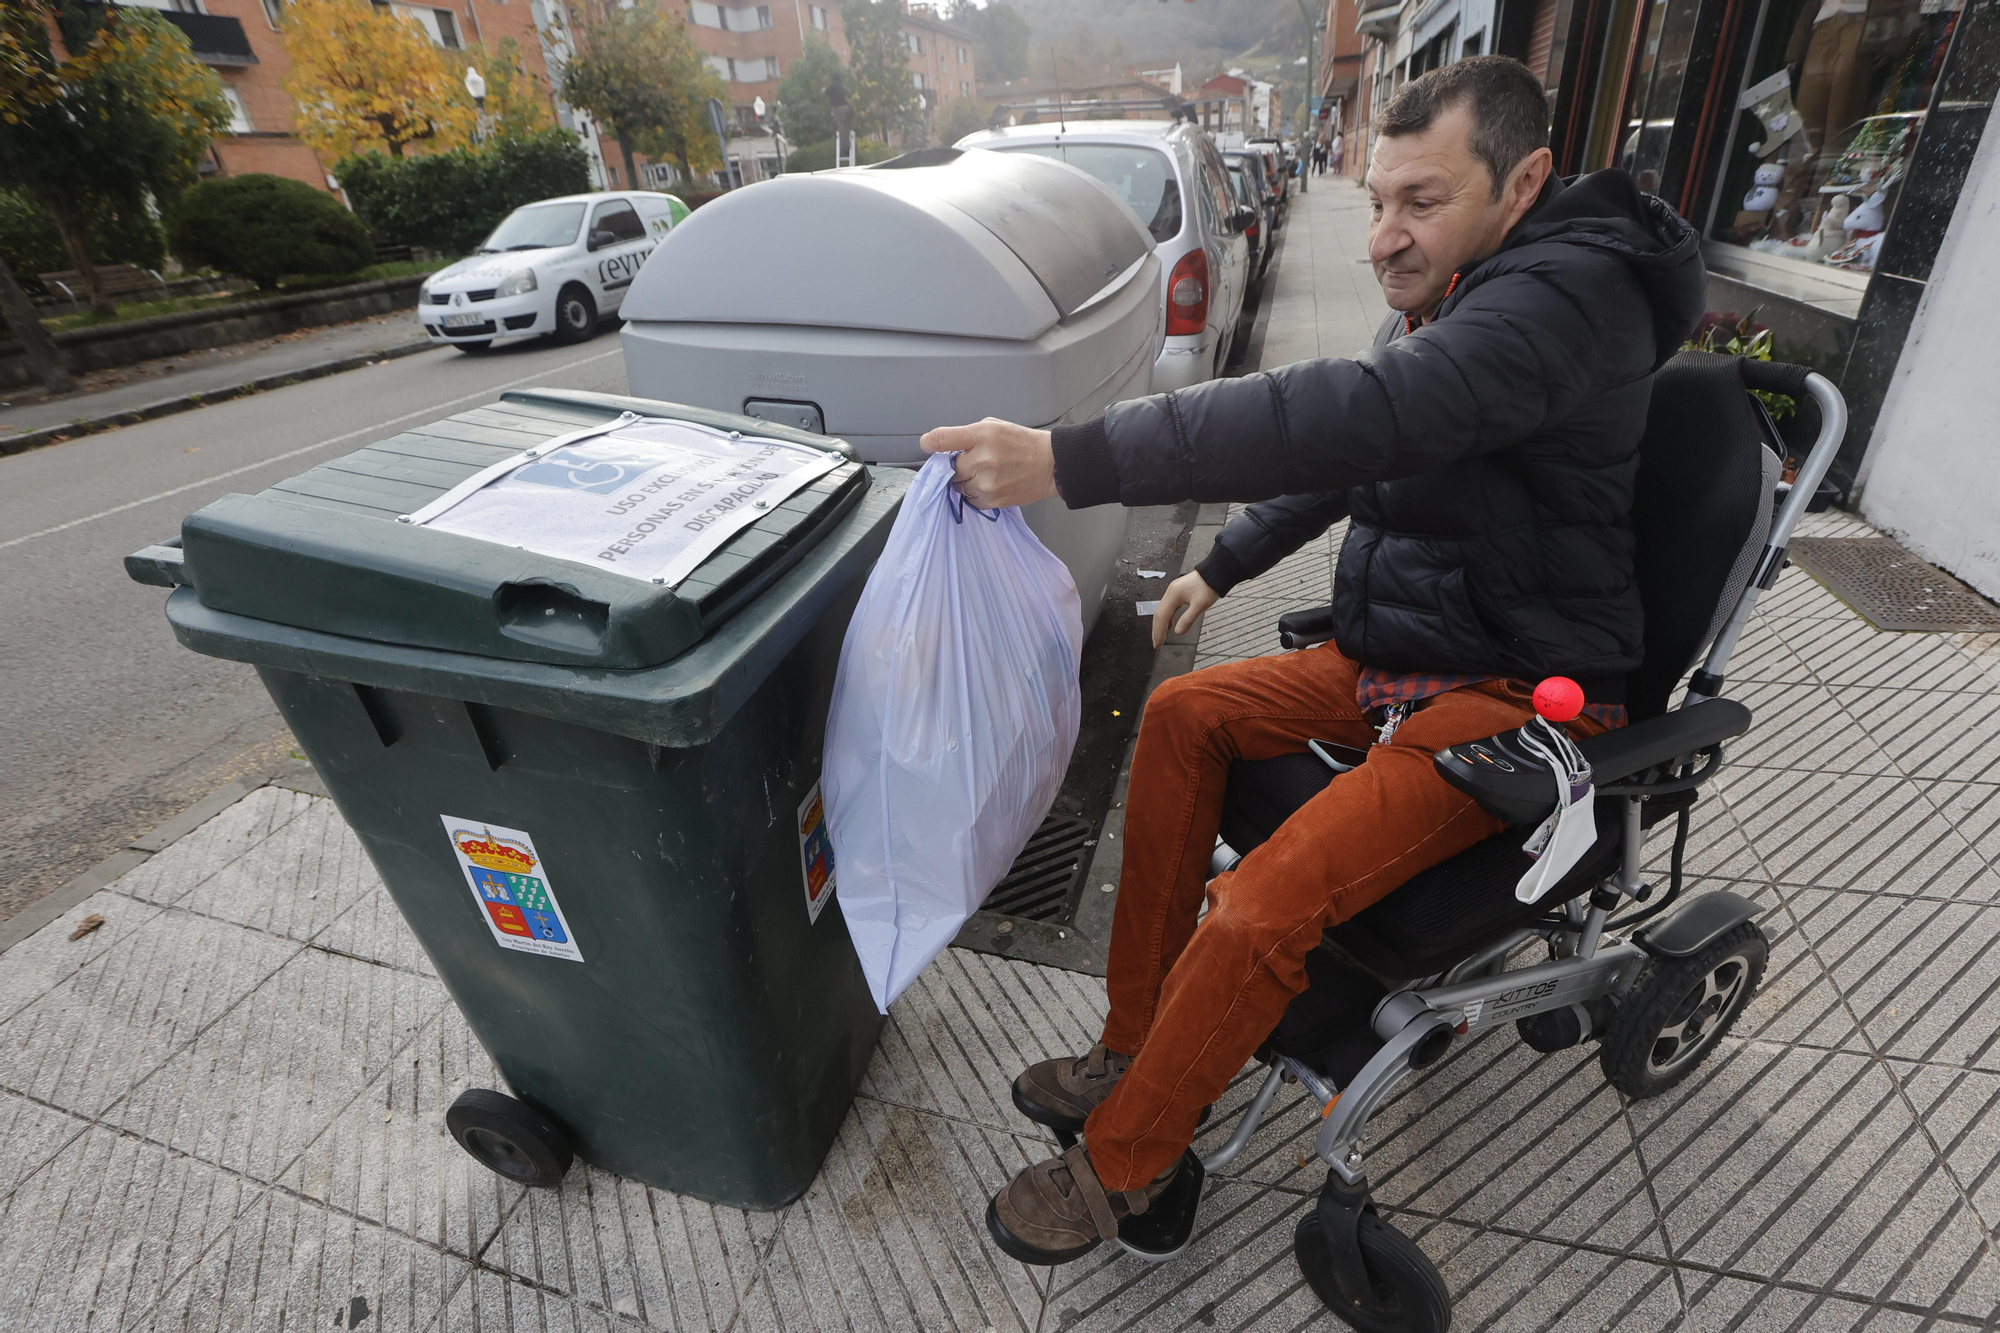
(1700, 516)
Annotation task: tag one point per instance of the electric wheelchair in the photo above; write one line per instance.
(1454, 951)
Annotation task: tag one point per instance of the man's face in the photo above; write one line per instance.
(1434, 210)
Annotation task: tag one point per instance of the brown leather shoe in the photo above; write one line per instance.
(1057, 1210)
(1061, 1093)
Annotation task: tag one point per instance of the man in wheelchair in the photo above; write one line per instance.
(1506, 526)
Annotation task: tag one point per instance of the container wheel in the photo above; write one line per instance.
(1410, 1295)
(1678, 1010)
(509, 1138)
(576, 315)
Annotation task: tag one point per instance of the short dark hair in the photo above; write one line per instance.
(1510, 111)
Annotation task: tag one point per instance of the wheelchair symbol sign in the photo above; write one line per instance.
(511, 886)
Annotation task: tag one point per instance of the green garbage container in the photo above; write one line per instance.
(593, 797)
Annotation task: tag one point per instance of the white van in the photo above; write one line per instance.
(555, 266)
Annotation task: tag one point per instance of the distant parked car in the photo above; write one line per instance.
(1260, 236)
(1171, 175)
(1270, 213)
(557, 266)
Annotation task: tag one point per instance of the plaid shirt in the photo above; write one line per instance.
(1378, 689)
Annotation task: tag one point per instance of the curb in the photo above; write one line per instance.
(187, 402)
(291, 773)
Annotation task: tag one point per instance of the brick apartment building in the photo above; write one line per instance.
(750, 46)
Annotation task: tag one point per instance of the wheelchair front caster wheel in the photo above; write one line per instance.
(1410, 1296)
(509, 1138)
(1678, 1010)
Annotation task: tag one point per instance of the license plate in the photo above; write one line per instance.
(463, 321)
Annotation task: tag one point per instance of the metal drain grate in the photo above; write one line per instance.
(1892, 588)
(1041, 884)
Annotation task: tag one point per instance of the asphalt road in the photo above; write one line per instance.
(108, 726)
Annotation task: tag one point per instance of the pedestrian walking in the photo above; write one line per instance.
(1338, 153)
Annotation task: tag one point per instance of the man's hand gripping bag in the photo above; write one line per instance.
(954, 714)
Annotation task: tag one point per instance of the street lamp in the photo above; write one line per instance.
(476, 85)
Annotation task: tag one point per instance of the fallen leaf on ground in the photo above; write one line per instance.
(85, 926)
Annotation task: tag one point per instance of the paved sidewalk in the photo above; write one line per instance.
(224, 1104)
(107, 392)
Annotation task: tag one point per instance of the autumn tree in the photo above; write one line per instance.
(638, 74)
(879, 87)
(103, 109)
(366, 78)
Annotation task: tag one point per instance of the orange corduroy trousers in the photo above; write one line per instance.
(1191, 1003)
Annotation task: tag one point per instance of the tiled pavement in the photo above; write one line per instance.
(223, 1107)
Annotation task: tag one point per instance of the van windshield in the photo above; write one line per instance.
(536, 227)
(1143, 178)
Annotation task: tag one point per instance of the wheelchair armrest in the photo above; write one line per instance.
(1303, 629)
(1513, 784)
(1617, 755)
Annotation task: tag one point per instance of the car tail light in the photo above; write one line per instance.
(1187, 295)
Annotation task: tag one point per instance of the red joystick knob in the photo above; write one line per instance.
(1559, 699)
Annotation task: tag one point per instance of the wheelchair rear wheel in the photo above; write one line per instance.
(1679, 1009)
(1410, 1296)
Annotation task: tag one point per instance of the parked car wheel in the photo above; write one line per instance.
(576, 315)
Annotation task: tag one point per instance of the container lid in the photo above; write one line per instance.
(986, 245)
(334, 549)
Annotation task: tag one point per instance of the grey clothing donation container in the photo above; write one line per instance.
(593, 795)
(874, 303)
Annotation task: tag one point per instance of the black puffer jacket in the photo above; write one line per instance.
(1487, 459)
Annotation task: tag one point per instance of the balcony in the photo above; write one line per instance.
(1378, 19)
(216, 40)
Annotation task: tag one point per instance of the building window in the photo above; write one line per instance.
(447, 29)
(963, 55)
(919, 79)
(705, 15)
(818, 15)
(239, 119)
(964, 88)
(1474, 45)
(274, 13)
(916, 43)
(763, 16)
(720, 64)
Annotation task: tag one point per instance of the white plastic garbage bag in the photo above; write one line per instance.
(954, 714)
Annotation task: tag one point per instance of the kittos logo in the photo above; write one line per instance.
(1534, 992)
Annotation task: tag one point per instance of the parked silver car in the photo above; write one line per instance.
(1171, 175)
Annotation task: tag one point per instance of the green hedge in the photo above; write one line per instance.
(31, 245)
(449, 201)
(265, 227)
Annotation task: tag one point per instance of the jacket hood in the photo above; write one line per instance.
(1606, 210)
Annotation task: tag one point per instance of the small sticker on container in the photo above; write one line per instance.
(512, 888)
(815, 853)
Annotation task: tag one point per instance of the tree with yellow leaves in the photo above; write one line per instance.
(367, 79)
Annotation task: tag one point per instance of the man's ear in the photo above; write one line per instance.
(1525, 182)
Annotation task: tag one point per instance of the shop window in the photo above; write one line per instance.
(1666, 39)
(1828, 122)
